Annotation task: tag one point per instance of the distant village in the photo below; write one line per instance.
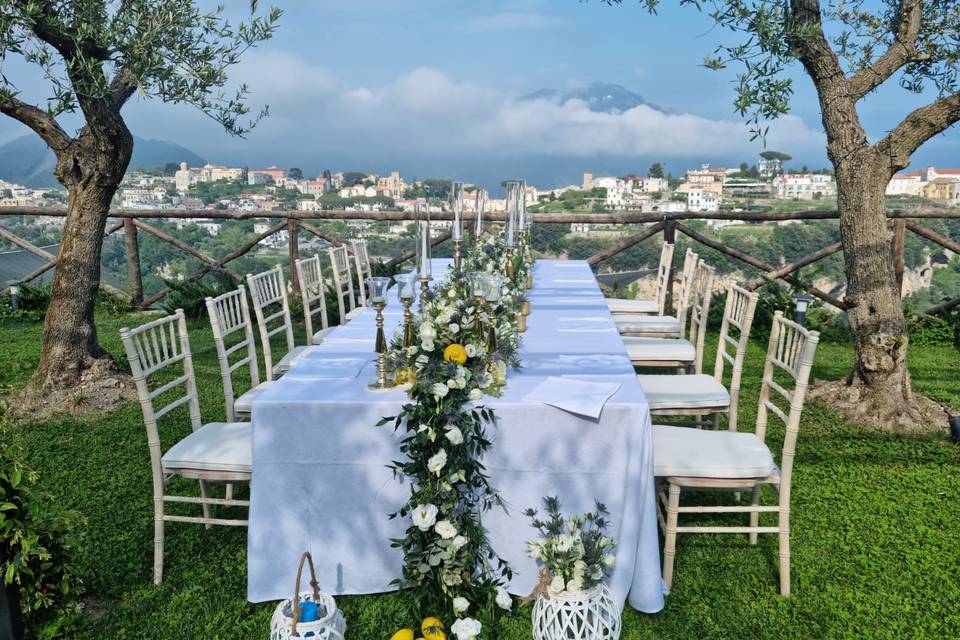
(271, 189)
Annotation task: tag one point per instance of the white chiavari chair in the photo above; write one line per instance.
(343, 284)
(657, 306)
(362, 263)
(312, 297)
(268, 291)
(732, 461)
(700, 394)
(663, 326)
(679, 352)
(214, 452)
(233, 338)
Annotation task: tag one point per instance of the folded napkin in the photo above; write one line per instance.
(329, 368)
(576, 396)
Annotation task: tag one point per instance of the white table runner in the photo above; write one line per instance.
(320, 481)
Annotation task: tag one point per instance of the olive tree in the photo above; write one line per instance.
(848, 49)
(96, 55)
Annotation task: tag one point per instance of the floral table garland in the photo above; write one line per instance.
(449, 566)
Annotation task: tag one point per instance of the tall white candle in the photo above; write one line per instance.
(424, 248)
(456, 191)
(481, 200)
(511, 211)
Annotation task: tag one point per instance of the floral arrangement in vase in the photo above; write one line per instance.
(575, 552)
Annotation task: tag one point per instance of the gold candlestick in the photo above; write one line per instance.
(510, 253)
(491, 328)
(382, 382)
(457, 254)
(407, 375)
(478, 322)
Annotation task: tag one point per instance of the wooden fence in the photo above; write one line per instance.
(667, 224)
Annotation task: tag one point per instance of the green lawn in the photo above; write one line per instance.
(876, 528)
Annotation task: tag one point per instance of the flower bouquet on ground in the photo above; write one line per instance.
(572, 600)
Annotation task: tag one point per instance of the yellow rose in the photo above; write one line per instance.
(455, 353)
(403, 634)
(432, 628)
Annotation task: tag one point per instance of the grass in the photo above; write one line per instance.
(876, 524)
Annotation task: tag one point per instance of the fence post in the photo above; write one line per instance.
(670, 235)
(293, 245)
(899, 232)
(133, 262)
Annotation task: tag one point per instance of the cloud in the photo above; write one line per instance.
(317, 117)
(508, 21)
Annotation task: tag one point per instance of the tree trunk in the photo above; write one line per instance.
(91, 169)
(878, 389)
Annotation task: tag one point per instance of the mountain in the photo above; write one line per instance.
(28, 161)
(601, 97)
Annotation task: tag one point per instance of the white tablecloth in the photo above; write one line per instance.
(320, 480)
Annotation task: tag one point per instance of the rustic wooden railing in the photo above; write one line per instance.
(132, 222)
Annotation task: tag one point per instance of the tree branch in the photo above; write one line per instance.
(807, 38)
(122, 86)
(921, 125)
(44, 124)
(902, 51)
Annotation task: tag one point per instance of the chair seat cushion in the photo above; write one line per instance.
(700, 453)
(320, 335)
(217, 446)
(659, 350)
(695, 391)
(244, 404)
(621, 305)
(290, 359)
(637, 324)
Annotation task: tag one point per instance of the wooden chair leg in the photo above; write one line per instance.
(716, 421)
(229, 493)
(670, 536)
(785, 553)
(157, 539)
(207, 509)
(754, 517)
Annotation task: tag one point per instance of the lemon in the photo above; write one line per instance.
(403, 634)
(432, 629)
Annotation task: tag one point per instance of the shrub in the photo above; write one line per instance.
(191, 295)
(38, 540)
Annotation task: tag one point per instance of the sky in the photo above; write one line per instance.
(430, 88)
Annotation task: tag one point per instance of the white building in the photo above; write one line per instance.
(905, 184)
(187, 176)
(769, 168)
(804, 186)
(699, 199)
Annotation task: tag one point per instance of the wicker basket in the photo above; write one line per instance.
(329, 625)
(578, 615)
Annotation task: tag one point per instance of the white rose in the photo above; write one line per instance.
(564, 542)
(427, 331)
(437, 462)
(454, 328)
(439, 389)
(427, 345)
(459, 542)
(424, 516)
(471, 350)
(575, 585)
(460, 605)
(445, 529)
(475, 394)
(452, 293)
(504, 601)
(454, 435)
(466, 628)
(608, 560)
(556, 585)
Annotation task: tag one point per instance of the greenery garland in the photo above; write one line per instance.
(449, 567)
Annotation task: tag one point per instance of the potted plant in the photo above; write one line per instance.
(576, 557)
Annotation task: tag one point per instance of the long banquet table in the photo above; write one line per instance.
(320, 480)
